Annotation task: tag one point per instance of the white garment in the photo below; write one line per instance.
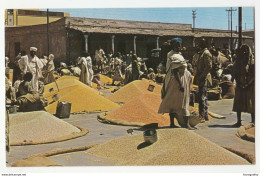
(99, 55)
(50, 66)
(174, 100)
(76, 71)
(173, 59)
(34, 66)
(88, 64)
(17, 84)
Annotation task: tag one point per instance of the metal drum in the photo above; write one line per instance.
(150, 136)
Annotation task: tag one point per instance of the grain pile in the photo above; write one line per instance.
(247, 132)
(82, 97)
(174, 147)
(143, 109)
(134, 89)
(140, 110)
(105, 79)
(251, 131)
(35, 162)
(38, 126)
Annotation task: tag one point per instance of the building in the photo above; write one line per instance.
(28, 17)
(69, 37)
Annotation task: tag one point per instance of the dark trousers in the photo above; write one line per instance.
(203, 102)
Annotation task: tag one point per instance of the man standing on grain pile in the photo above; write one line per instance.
(177, 86)
(202, 78)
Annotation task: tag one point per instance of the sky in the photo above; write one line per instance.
(207, 17)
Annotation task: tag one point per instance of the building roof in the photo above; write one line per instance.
(93, 25)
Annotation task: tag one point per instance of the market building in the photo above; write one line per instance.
(69, 37)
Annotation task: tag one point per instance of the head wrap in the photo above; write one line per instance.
(177, 61)
(174, 41)
(33, 49)
(51, 57)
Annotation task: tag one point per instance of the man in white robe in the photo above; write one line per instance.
(177, 87)
(33, 65)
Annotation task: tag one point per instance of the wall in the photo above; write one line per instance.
(34, 20)
(34, 17)
(36, 36)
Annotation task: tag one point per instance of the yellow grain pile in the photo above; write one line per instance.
(133, 89)
(174, 147)
(105, 79)
(38, 126)
(81, 96)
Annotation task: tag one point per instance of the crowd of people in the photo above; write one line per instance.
(208, 64)
(175, 73)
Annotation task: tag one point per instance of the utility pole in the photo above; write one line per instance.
(194, 16)
(240, 26)
(231, 38)
(228, 19)
(245, 26)
(48, 44)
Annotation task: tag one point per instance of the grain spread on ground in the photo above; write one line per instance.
(133, 89)
(82, 97)
(251, 131)
(38, 127)
(174, 147)
(35, 162)
(141, 107)
(141, 110)
(247, 132)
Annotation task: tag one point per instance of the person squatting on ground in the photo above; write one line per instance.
(202, 77)
(177, 86)
(27, 99)
(244, 75)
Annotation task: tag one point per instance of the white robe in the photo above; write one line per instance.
(87, 78)
(174, 100)
(34, 66)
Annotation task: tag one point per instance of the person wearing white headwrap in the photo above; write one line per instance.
(176, 88)
(86, 74)
(49, 69)
(33, 65)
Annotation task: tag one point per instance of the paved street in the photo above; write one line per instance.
(218, 131)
